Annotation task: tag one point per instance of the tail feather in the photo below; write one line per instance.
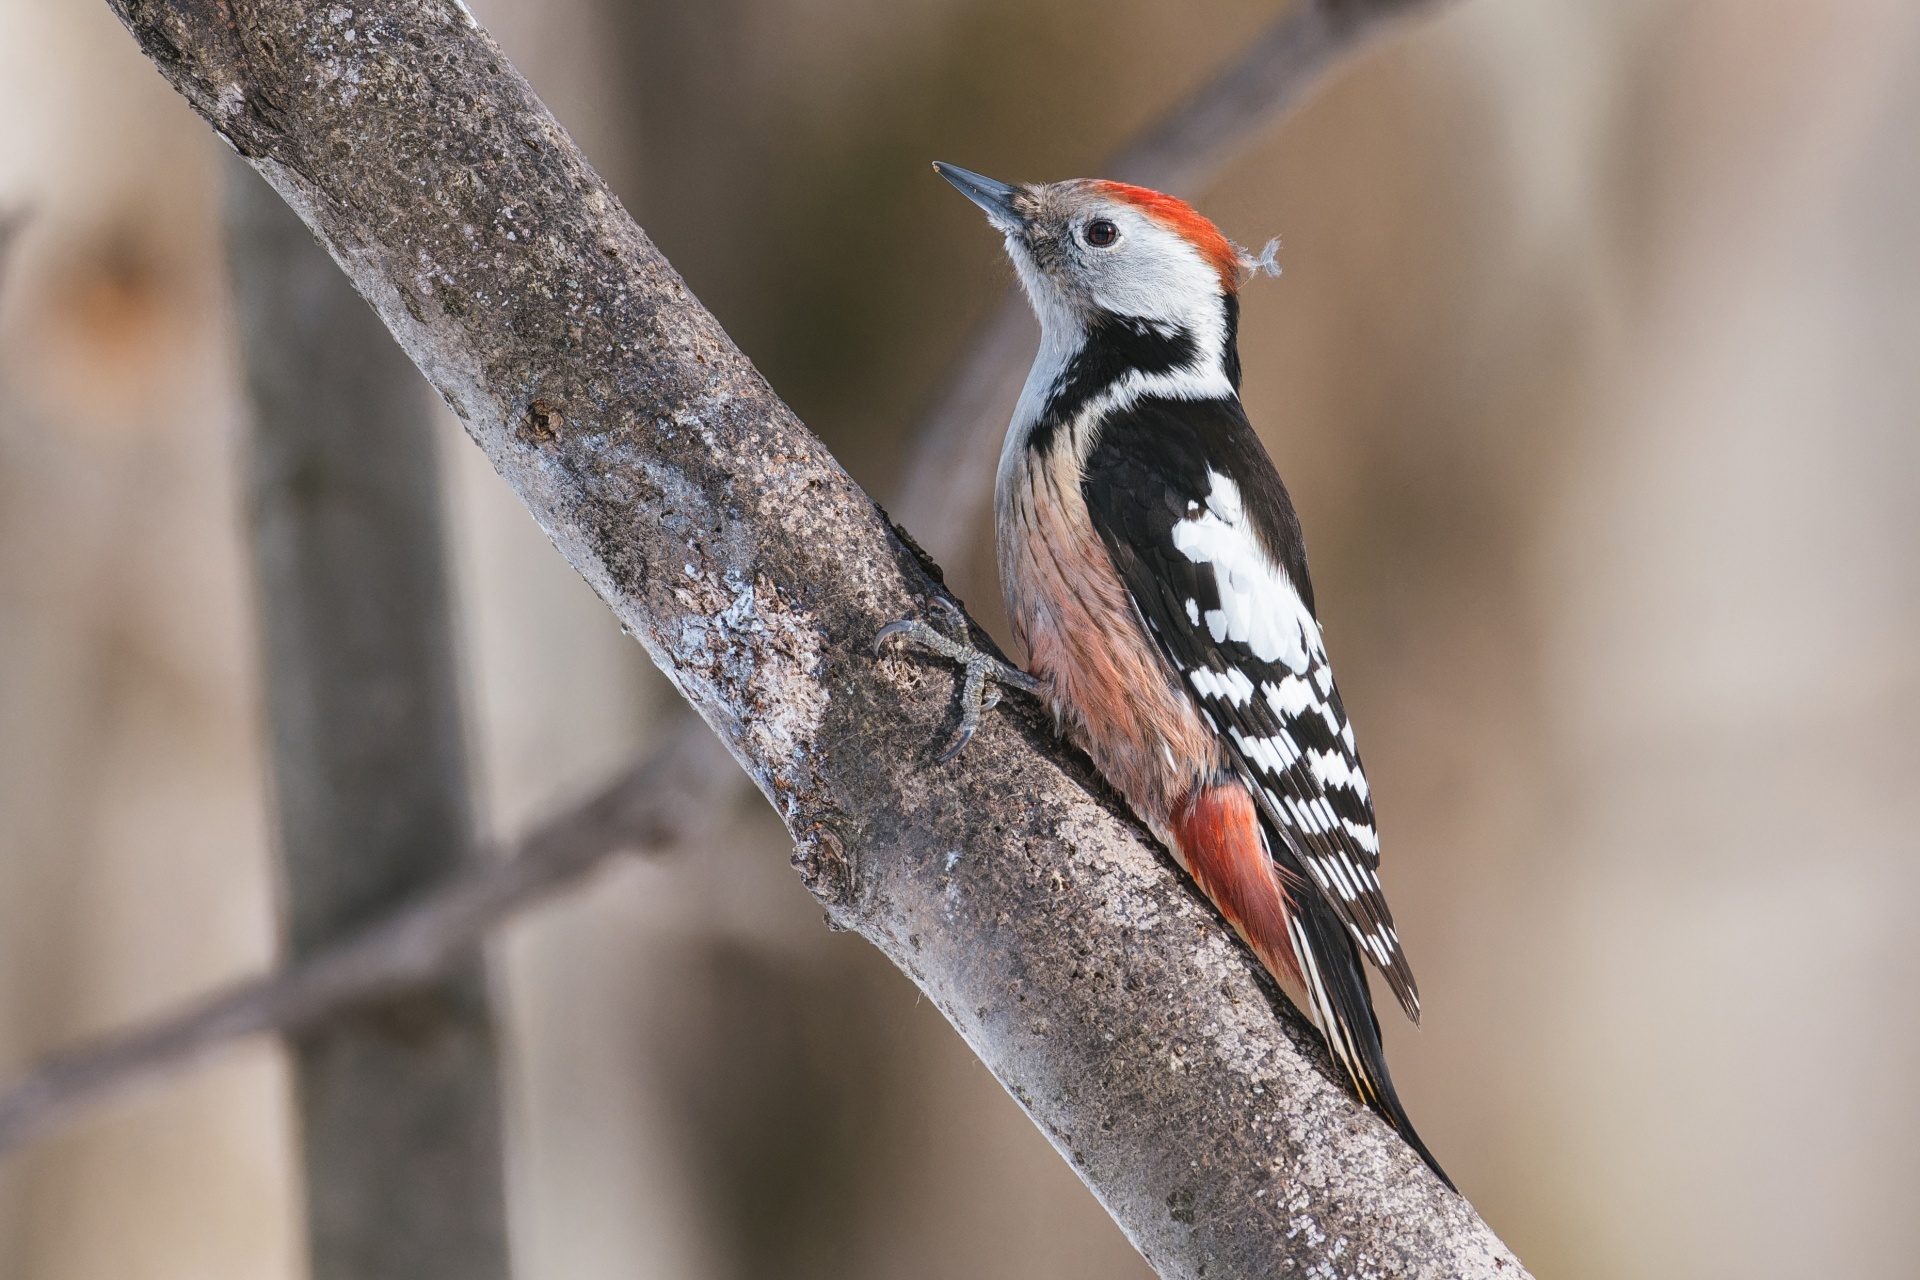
(1336, 983)
(1260, 887)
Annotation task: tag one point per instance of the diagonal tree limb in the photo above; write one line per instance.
(949, 475)
(1107, 1000)
(1196, 140)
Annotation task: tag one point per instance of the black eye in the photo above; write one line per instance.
(1100, 233)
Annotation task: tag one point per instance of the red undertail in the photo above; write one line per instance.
(1218, 833)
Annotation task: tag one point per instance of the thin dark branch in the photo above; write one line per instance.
(949, 477)
(669, 800)
(1194, 143)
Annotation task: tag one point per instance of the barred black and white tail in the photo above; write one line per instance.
(1336, 984)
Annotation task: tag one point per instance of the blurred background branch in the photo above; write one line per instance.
(683, 784)
(399, 1106)
(11, 223)
(672, 798)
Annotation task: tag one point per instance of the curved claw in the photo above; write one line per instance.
(980, 691)
(891, 630)
(959, 745)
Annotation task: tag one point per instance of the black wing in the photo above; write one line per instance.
(1201, 531)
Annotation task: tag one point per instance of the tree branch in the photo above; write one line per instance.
(669, 800)
(1094, 985)
(949, 476)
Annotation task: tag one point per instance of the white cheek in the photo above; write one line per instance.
(1155, 274)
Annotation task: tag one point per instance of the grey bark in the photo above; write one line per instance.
(399, 1105)
(1013, 890)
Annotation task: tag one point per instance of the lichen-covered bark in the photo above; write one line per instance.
(1102, 993)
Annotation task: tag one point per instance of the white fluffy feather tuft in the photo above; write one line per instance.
(1268, 261)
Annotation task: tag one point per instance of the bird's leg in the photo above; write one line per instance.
(984, 671)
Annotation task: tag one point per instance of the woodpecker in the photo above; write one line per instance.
(1155, 573)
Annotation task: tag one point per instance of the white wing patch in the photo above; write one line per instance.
(1230, 686)
(1284, 719)
(1290, 697)
(1275, 754)
(1258, 605)
(1337, 771)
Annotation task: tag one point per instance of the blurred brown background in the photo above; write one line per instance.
(1595, 372)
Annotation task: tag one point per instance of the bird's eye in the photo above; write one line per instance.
(1100, 233)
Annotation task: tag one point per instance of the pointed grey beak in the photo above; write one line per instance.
(994, 197)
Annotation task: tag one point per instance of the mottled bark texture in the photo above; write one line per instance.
(1100, 991)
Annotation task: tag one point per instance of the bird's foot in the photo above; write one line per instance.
(978, 694)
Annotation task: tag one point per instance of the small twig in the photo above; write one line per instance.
(670, 799)
(949, 476)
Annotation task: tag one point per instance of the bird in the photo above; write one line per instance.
(1155, 573)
